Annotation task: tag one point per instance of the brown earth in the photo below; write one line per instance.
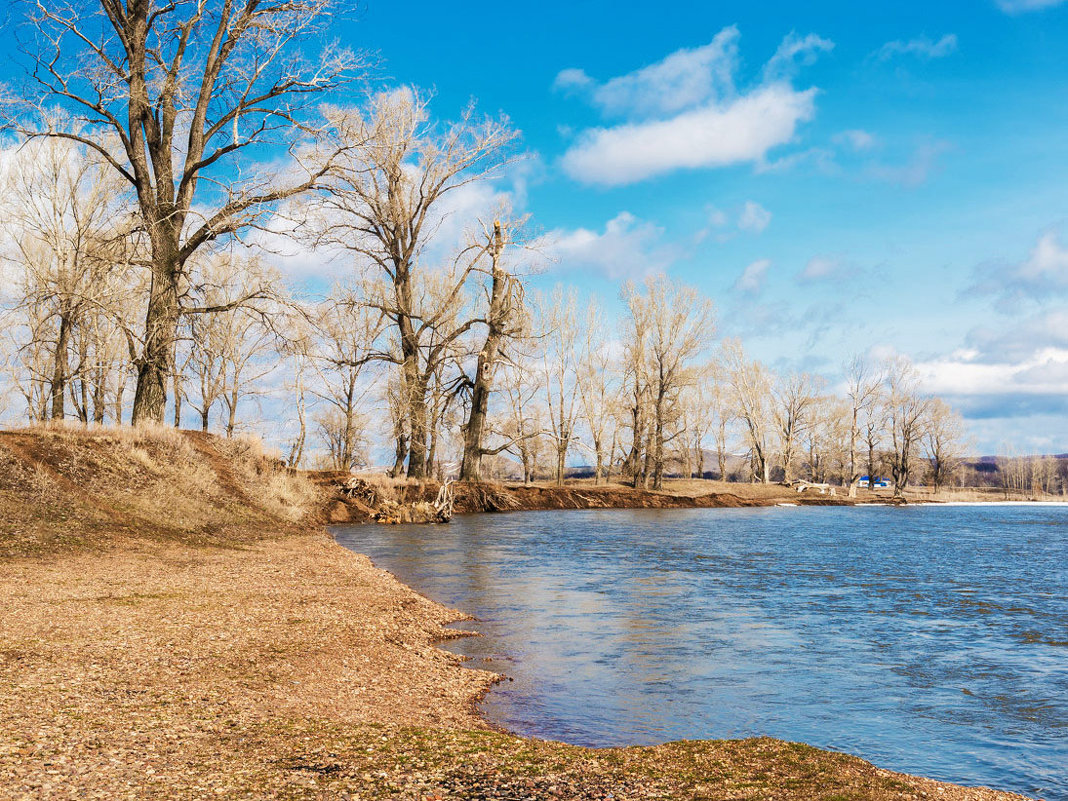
(472, 498)
(174, 625)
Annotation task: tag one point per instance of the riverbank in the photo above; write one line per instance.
(177, 625)
(362, 505)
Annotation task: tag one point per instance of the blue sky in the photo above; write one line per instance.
(839, 177)
(894, 180)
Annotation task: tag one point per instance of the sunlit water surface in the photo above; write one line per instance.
(928, 640)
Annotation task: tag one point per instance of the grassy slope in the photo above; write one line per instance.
(176, 626)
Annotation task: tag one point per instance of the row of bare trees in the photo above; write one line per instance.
(487, 371)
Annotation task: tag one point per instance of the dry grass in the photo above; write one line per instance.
(65, 487)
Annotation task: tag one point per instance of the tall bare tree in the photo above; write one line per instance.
(597, 387)
(906, 412)
(60, 204)
(750, 385)
(505, 319)
(344, 330)
(943, 442)
(680, 329)
(795, 397)
(386, 201)
(560, 327)
(180, 98)
(864, 391)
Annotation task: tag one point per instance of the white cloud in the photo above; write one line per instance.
(1045, 372)
(752, 278)
(627, 248)
(921, 48)
(571, 79)
(754, 217)
(1047, 266)
(686, 112)
(1041, 276)
(684, 79)
(820, 268)
(711, 136)
(855, 139)
(1021, 6)
(794, 52)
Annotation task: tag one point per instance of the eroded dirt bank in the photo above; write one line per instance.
(360, 505)
(218, 647)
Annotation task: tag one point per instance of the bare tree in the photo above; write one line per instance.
(864, 391)
(385, 204)
(906, 411)
(795, 396)
(560, 326)
(174, 96)
(524, 421)
(680, 328)
(636, 383)
(751, 396)
(60, 203)
(344, 330)
(596, 383)
(943, 442)
(505, 320)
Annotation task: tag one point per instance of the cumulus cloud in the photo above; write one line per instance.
(684, 79)
(754, 217)
(712, 136)
(627, 248)
(686, 112)
(752, 278)
(921, 48)
(966, 372)
(1022, 6)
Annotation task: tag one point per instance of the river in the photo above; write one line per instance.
(929, 640)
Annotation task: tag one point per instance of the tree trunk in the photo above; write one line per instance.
(401, 453)
(99, 389)
(59, 371)
(177, 384)
(598, 470)
(417, 443)
(161, 328)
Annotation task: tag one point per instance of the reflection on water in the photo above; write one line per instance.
(927, 640)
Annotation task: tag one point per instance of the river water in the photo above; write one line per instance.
(929, 640)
